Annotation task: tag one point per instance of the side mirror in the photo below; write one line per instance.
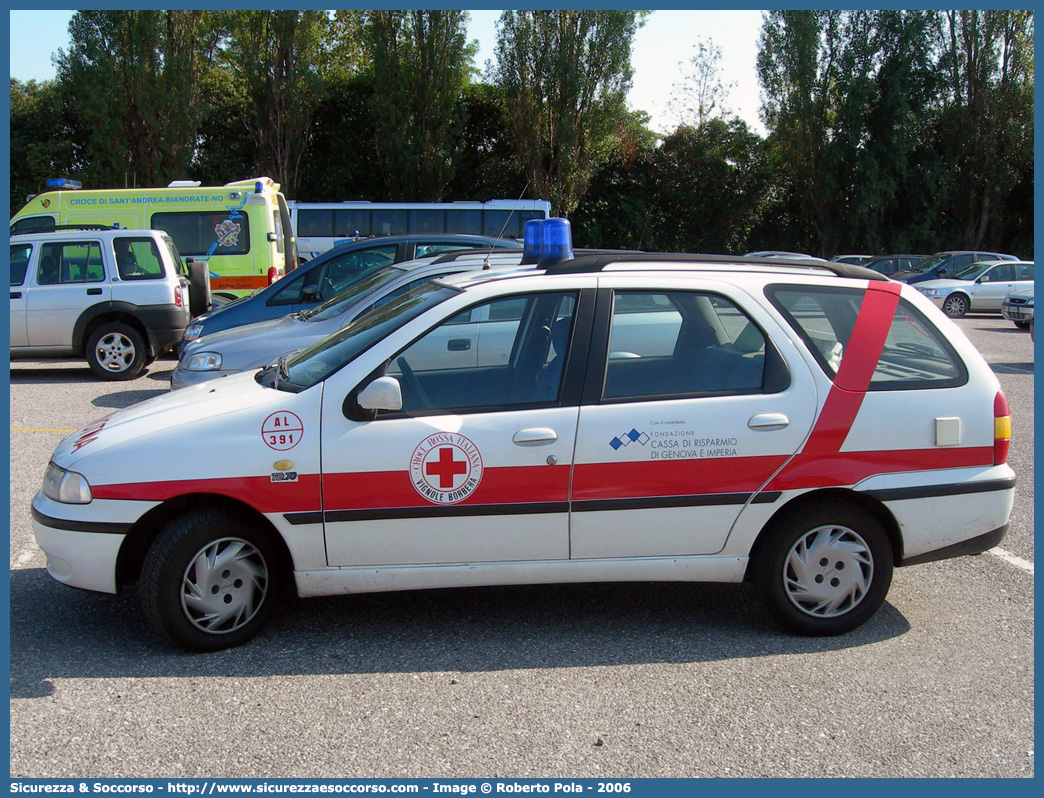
(384, 393)
(309, 293)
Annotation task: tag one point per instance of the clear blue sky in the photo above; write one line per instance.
(662, 50)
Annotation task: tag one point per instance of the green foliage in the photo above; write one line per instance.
(277, 60)
(421, 61)
(565, 75)
(131, 80)
(41, 141)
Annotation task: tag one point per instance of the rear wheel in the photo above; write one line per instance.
(116, 351)
(955, 305)
(825, 569)
(211, 579)
(1022, 325)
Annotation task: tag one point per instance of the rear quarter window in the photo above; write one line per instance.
(915, 355)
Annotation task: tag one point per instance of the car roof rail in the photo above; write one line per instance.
(449, 257)
(598, 262)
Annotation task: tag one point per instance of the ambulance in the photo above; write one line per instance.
(804, 426)
(241, 230)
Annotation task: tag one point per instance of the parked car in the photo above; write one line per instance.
(888, 265)
(945, 264)
(609, 418)
(327, 275)
(118, 298)
(979, 287)
(1018, 307)
(251, 346)
(855, 260)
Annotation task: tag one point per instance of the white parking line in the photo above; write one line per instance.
(1011, 559)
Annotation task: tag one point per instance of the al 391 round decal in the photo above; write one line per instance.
(446, 468)
(282, 431)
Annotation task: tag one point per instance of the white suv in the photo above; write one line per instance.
(804, 426)
(119, 298)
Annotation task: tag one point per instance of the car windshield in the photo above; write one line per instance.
(928, 263)
(310, 366)
(358, 287)
(971, 271)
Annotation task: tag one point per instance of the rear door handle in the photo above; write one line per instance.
(768, 421)
(16, 295)
(94, 292)
(459, 344)
(535, 436)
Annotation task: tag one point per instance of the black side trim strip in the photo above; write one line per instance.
(954, 489)
(653, 502)
(80, 526)
(975, 545)
(298, 519)
(447, 511)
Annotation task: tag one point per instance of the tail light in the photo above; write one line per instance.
(179, 299)
(1001, 429)
(273, 274)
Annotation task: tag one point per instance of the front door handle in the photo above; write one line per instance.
(16, 295)
(768, 421)
(535, 436)
(459, 345)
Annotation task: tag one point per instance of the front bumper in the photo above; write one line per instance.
(79, 554)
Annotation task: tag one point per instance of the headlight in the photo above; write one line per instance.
(929, 291)
(193, 331)
(64, 486)
(203, 361)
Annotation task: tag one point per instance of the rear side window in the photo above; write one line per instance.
(138, 259)
(20, 254)
(206, 233)
(915, 354)
(683, 343)
(72, 262)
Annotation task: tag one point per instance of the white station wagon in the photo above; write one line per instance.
(803, 426)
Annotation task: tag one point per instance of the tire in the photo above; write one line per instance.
(211, 579)
(825, 569)
(199, 288)
(1022, 325)
(955, 305)
(116, 351)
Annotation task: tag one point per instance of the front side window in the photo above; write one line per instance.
(219, 233)
(915, 355)
(665, 344)
(71, 262)
(20, 254)
(500, 354)
(138, 259)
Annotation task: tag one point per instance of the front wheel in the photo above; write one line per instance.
(210, 580)
(1022, 325)
(116, 351)
(825, 569)
(955, 305)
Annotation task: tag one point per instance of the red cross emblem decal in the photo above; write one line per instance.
(445, 468)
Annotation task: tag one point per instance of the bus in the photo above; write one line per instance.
(242, 230)
(322, 225)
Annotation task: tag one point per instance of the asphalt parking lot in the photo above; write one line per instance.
(622, 680)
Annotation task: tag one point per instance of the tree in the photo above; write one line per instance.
(41, 141)
(277, 59)
(702, 94)
(986, 123)
(421, 62)
(565, 75)
(132, 77)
